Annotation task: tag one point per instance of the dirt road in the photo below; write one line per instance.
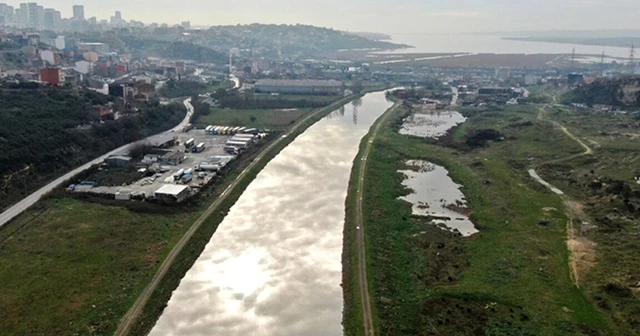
(362, 264)
(581, 250)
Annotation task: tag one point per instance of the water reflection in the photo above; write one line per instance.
(356, 104)
(432, 124)
(274, 265)
(435, 195)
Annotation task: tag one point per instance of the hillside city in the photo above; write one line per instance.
(176, 179)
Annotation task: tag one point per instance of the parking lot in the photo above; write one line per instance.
(146, 186)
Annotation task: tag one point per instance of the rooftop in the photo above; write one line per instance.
(171, 189)
(301, 82)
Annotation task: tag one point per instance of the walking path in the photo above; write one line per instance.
(362, 262)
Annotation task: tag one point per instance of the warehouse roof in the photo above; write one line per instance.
(301, 82)
(171, 189)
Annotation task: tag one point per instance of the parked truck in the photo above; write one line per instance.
(189, 143)
(207, 167)
(187, 128)
(199, 148)
(253, 131)
(186, 178)
(177, 175)
(239, 144)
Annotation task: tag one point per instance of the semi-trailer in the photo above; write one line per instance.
(207, 167)
(189, 142)
(199, 148)
(253, 131)
(186, 178)
(177, 175)
(238, 144)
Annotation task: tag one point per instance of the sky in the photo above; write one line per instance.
(393, 17)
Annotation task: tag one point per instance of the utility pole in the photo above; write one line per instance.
(573, 58)
(602, 64)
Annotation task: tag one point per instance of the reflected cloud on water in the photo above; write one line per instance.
(274, 265)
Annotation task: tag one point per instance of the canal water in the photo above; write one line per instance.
(274, 265)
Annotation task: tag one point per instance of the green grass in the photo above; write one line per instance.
(512, 278)
(70, 267)
(270, 119)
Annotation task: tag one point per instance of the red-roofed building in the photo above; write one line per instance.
(52, 76)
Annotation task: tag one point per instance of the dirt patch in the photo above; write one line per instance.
(582, 253)
(152, 253)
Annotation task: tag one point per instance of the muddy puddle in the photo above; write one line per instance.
(431, 124)
(435, 195)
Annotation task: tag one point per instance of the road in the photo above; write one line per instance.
(581, 250)
(362, 263)
(454, 98)
(131, 316)
(30, 200)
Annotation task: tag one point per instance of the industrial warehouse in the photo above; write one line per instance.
(178, 167)
(307, 86)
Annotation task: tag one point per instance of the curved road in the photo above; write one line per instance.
(23, 205)
(362, 263)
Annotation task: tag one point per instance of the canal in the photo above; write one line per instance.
(274, 265)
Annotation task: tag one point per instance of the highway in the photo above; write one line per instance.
(30, 200)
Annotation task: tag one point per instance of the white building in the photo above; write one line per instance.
(83, 67)
(172, 193)
(60, 42)
(48, 56)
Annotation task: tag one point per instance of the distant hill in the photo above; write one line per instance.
(623, 92)
(372, 36)
(212, 45)
(290, 40)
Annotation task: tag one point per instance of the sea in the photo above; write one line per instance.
(477, 43)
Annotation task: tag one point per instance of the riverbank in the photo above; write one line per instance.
(510, 278)
(183, 262)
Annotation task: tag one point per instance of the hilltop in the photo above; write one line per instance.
(256, 40)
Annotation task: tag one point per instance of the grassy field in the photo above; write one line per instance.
(70, 267)
(512, 278)
(604, 184)
(252, 118)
